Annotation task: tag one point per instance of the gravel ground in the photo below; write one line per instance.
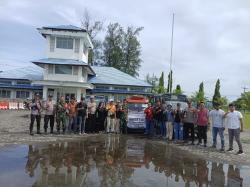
(14, 129)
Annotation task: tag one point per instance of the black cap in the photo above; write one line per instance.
(231, 104)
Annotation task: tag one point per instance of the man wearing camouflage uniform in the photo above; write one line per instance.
(124, 117)
(61, 110)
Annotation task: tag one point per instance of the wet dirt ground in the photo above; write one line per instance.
(113, 160)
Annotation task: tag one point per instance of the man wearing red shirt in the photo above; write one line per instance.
(149, 117)
(202, 123)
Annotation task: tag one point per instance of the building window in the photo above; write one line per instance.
(22, 94)
(23, 83)
(120, 88)
(85, 49)
(121, 97)
(63, 69)
(64, 43)
(77, 45)
(84, 72)
(50, 69)
(137, 89)
(75, 70)
(102, 87)
(5, 82)
(148, 90)
(52, 43)
(5, 93)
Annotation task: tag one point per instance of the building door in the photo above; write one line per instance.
(68, 96)
(51, 92)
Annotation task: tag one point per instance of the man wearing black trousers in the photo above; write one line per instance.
(35, 107)
(189, 119)
(49, 115)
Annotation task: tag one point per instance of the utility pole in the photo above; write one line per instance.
(244, 89)
(171, 57)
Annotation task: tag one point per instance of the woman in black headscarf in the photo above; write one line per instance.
(101, 114)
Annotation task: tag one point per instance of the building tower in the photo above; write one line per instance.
(66, 67)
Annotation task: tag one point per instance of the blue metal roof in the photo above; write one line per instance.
(65, 27)
(59, 61)
(26, 73)
(120, 92)
(104, 75)
(112, 76)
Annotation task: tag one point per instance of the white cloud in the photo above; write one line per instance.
(211, 38)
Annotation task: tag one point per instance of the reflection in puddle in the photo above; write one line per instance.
(114, 161)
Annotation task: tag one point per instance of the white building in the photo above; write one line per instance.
(66, 67)
(65, 71)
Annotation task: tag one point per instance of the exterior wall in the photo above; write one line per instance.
(67, 53)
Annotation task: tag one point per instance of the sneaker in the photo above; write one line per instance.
(80, 133)
(205, 145)
(32, 134)
(239, 152)
(213, 146)
(198, 143)
(222, 150)
(230, 150)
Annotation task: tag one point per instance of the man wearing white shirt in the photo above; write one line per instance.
(235, 125)
(217, 116)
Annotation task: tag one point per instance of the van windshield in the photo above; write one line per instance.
(136, 107)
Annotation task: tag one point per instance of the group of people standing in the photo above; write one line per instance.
(180, 125)
(161, 120)
(78, 117)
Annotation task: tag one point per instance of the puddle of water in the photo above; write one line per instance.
(113, 161)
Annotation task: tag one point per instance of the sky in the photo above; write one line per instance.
(211, 38)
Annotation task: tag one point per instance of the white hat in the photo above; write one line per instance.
(92, 97)
(110, 100)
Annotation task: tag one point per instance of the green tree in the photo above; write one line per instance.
(178, 90)
(113, 52)
(224, 101)
(131, 51)
(217, 95)
(245, 101)
(122, 49)
(200, 95)
(170, 82)
(161, 84)
(93, 28)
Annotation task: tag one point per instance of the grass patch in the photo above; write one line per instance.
(246, 119)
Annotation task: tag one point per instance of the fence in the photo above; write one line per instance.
(8, 105)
